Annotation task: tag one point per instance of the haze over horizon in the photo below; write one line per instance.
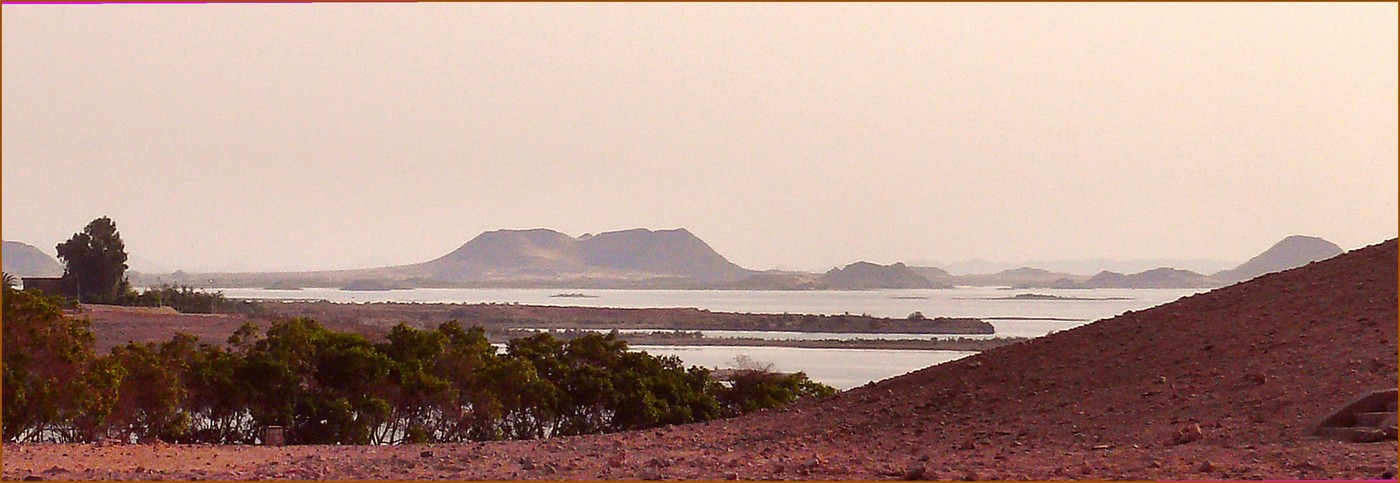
(309, 137)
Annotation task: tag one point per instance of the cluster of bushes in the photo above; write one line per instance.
(181, 298)
(326, 387)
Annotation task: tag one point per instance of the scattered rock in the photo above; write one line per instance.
(1187, 434)
(527, 463)
(916, 472)
(650, 474)
(425, 454)
(1206, 467)
(618, 460)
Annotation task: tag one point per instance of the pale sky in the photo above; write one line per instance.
(277, 137)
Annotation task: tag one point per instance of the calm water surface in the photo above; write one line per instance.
(839, 368)
(842, 368)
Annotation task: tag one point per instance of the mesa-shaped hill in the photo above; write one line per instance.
(1294, 251)
(541, 253)
(1163, 277)
(866, 275)
(25, 260)
(504, 253)
(637, 258)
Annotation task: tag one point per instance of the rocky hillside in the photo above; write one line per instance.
(1252, 366)
(1294, 251)
(24, 260)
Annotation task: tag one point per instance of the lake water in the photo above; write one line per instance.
(841, 368)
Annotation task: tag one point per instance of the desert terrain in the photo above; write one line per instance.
(1223, 385)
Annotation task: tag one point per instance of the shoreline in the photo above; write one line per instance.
(666, 339)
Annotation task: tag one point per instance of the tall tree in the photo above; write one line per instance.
(95, 262)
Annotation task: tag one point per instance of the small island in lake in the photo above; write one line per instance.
(370, 285)
(573, 295)
(1041, 296)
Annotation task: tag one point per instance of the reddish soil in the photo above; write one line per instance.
(1254, 365)
(114, 325)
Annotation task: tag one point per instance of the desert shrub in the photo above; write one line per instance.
(54, 387)
(151, 395)
(181, 298)
(325, 387)
(755, 386)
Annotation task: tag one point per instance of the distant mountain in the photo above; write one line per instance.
(866, 275)
(1085, 265)
(1018, 277)
(547, 254)
(778, 280)
(637, 258)
(664, 252)
(507, 254)
(24, 260)
(1292, 252)
(931, 273)
(1163, 277)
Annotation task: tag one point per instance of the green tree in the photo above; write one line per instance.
(469, 364)
(95, 263)
(217, 397)
(182, 298)
(53, 386)
(152, 395)
(756, 386)
(325, 387)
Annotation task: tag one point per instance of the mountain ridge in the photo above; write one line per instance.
(642, 258)
(1292, 251)
(25, 260)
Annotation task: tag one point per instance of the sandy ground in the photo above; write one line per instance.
(731, 456)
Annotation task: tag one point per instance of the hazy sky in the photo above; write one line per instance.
(264, 137)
